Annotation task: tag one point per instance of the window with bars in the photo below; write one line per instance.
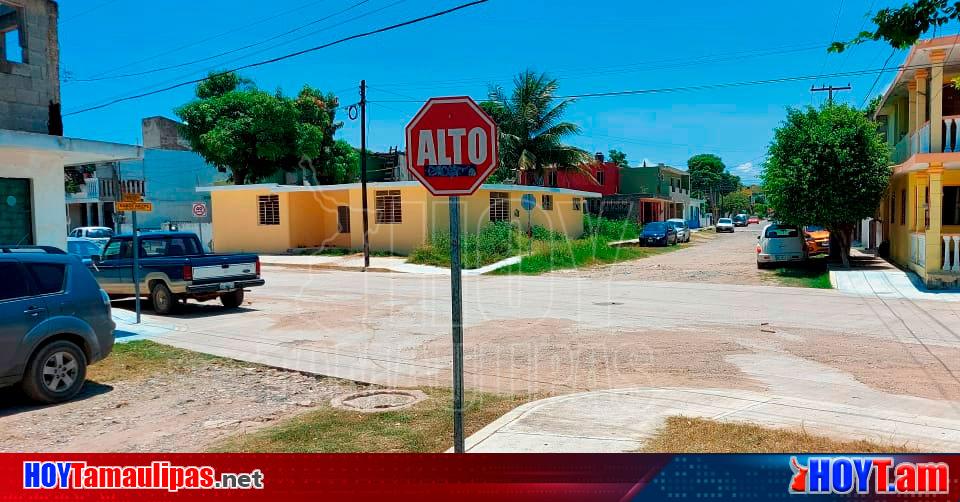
(547, 202)
(269, 209)
(499, 206)
(388, 207)
(576, 203)
(343, 219)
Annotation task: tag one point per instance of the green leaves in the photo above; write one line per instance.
(254, 134)
(902, 27)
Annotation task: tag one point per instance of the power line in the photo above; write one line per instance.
(287, 56)
(225, 53)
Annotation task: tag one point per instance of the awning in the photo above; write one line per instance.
(71, 150)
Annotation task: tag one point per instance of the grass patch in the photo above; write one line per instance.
(494, 242)
(699, 435)
(424, 428)
(811, 276)
(143, 359)
(566, 254)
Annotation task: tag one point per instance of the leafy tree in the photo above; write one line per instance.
(532, 130)
(619, 158)
(828, 167)
(253, 133)
(706, 171)
(734, 203)
(901, 27)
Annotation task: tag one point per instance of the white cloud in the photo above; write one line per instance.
(746, 167)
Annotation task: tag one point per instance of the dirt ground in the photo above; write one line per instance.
(713, 258)
(185, 411)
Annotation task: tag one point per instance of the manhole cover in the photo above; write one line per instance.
(608, 303)
(378, 400)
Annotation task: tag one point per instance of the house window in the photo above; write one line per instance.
(926, 207)
(601, 177)
(499, 206)
(547, 202)
(269, 209)
(12, 36)
(343, 219)
(951, 205)
(576, 203)
(552, 177)
(893, 208)
(388, 207)
(903, 206)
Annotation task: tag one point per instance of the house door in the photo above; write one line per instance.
(16, 211)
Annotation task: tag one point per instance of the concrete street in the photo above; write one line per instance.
(566, 334)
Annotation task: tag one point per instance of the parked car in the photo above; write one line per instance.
(778, 244)
(658, 233)
(724, 225)
(98, 234)
(83, 248)
(54, 321)
(753, 220)
(174, 268)
(818, 240)
(740, 220)
(680, 226)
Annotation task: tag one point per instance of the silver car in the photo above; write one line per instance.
(54, 321)
(683, 231)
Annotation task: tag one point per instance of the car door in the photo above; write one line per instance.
(107, 271)
(20, 312)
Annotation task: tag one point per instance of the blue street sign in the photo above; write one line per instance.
(528, 201)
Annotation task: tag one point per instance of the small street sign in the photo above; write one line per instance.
(143, 207)
(451, 150)
(200, 209)
(528, 201)
(131, 197)
(451, 146)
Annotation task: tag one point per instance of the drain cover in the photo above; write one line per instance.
(378, 400)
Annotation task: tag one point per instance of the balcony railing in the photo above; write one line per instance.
(951, 260)
(105, 189)
(918, 248)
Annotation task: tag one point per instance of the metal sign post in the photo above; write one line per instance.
(456, 304)
(136, 266)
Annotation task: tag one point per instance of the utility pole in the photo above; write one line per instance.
(829, 90)
(363, 172)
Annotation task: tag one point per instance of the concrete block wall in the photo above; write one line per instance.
(26, 89)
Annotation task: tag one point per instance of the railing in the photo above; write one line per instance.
(106, 189)
(951, 133)
(918, 248)
(901, 152)
(951, 260)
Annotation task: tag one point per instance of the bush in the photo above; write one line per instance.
(495, 242)
(610, 229)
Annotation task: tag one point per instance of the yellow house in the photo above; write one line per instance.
(920, 114)
(270, 218)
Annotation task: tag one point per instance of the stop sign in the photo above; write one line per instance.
(451, 146)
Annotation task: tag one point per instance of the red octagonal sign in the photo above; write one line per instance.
(451, 146)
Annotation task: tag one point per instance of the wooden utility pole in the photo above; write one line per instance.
(829, 90)
(363, 172)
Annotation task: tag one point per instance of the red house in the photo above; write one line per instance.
(604, 177)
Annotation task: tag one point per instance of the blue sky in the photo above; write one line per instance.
(607, 45)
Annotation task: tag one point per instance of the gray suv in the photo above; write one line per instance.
(54, 321)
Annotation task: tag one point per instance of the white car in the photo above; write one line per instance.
(779, 244)
(724, 225)
(97, 234)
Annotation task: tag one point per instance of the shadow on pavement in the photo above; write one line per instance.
(188, 311)
(13, 401)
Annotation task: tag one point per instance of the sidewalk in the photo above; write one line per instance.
(354, 262)
(874, 277)
(620, 420)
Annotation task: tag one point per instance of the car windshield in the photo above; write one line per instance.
(81, 248)
(814, 228)
(656, 226)
(777, 232)
(725, 220)
(99, 233)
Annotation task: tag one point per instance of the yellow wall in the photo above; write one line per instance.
(236, 225)
(309, 218)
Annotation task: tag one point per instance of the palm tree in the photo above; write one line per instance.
(531, 128)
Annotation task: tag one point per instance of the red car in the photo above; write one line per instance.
(753, 219)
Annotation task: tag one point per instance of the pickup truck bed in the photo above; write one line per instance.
(173, 269)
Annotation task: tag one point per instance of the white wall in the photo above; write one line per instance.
(46, 174)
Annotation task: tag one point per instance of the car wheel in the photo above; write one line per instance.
(232, 299)
(162, 299)
(56, 373)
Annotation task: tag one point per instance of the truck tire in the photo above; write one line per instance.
(162, 299)
(232, 299)
(56, 373)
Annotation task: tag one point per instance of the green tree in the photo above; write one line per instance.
(735, 203)
(828, 167)
(706, 171)
(901, 27)
(532, 130)
(619, 158)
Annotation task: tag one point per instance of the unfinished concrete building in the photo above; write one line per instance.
(29, 67)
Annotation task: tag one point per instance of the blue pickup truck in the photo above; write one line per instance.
(174, 268)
